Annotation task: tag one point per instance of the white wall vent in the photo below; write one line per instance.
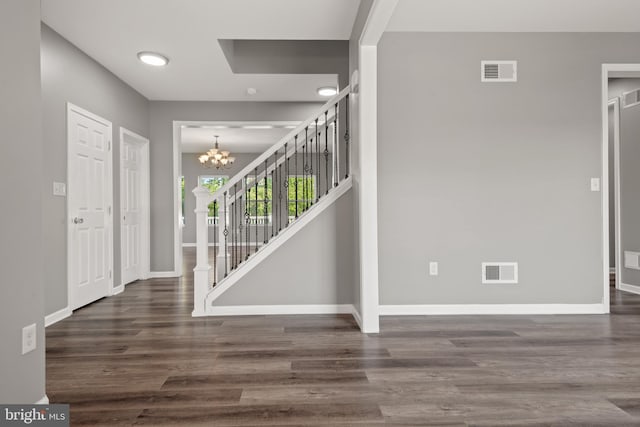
(499, 272)
(499, 71)
(632, 260)
(630, 99)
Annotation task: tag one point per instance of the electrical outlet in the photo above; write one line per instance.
(433, 268)
(28, 338)
(595, 184)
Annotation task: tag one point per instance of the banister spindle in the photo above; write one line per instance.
(326, 151)
(317, 163)
(247, 216)
(346, 136)
(255, 183)
(296, 174)
(286, 186)
(336, 145)
(266, 204)
(234, 222)
(226, 234)
(216, 249)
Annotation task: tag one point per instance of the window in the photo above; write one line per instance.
(213, 183)
(259, 198)
(305, 196)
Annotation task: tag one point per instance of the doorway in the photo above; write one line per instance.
(134, 208)
(621, 146)
(89, 207)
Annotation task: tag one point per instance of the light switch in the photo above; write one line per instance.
(595, 184)
(59, 189)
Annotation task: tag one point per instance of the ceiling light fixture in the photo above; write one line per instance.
(327, 91)
(257, 127)
(153, 58)
(216, 158)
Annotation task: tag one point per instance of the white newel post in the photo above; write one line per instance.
(201, 285)
(223, 256)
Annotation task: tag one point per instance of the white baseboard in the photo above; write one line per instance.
(57, 316)
(498, 309)
(163, 274)
(253, 310)
(634, 289)
(117, 290)
(43, 401)
(356, 316)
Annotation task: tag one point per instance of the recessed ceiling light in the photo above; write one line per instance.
(327, 91)
(153, 58)
(252, 91)
(220, 127)
(257, 127)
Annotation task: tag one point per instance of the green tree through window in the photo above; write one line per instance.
(213, 183)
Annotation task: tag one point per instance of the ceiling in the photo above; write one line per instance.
(113, 31)
(198, 138)
(517, 15)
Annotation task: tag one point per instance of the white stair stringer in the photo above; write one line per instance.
(235, 276)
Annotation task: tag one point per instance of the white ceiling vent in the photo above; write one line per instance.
(499, 272)
(499, 71)
(632, 260)
(629, 99)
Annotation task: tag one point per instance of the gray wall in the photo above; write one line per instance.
(354, 64)
(629, 188)
(22, 378)
(69, 75)
(315, 266)
(472, 172)
(162, 115)
(191, 170)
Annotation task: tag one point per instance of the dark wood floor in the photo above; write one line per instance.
(140, 359)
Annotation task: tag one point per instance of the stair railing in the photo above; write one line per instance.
(274, 190)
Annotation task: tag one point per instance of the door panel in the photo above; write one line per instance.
(130, 211)
(89, 204)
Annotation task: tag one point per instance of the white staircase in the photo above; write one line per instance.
(270, 200)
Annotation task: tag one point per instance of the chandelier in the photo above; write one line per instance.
(216, 158)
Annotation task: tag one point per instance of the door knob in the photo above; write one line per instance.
(77, 220)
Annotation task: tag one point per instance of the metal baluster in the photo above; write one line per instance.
(247, 216)
(305, 167)
(266, 204)
(286, 185)
(240, 224)
(296, 174)
(336, 146)
(273, 211)
(226, 234)
(280, 196)
(234, 258)
(347, 135)
(326, 151)
(215, 244)
(255, 183)
(317, 163)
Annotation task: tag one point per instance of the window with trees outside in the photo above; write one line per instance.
(213, 183)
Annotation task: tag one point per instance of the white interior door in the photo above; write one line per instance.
(131, 210)
(89, 207)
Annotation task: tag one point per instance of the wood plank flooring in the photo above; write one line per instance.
(140, 359)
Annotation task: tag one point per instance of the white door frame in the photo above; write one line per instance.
(607, 70)
(145, 204)
(74, 108)
(615, 102)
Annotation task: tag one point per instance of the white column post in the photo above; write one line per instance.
(201, 285)
(223, 261)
